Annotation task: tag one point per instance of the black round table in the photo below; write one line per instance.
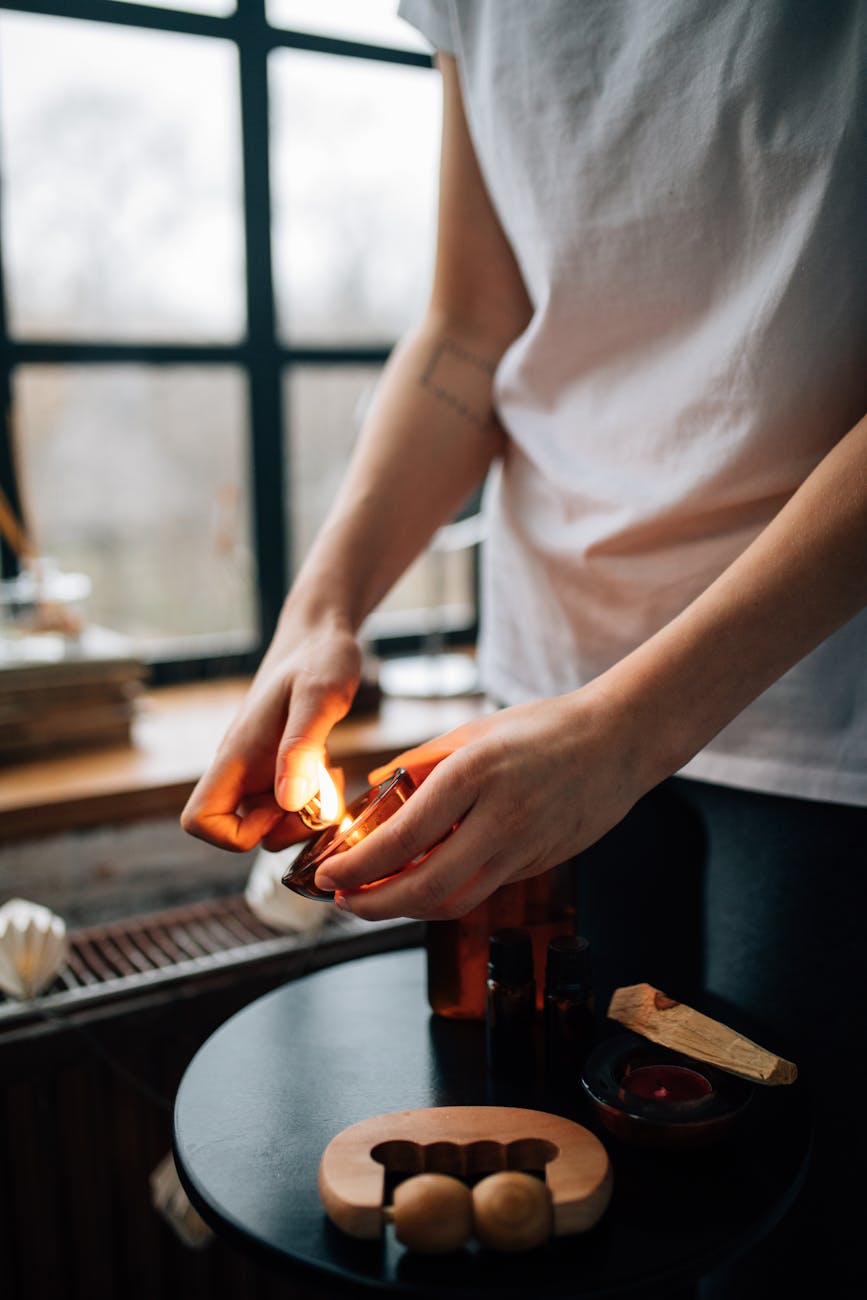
(266, 1093)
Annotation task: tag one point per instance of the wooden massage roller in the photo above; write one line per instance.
(541, 1174)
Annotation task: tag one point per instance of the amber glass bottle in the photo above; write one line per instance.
(457, 951)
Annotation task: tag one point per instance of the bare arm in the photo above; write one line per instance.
(431, 435)
(802, 578)
(427, 442)
(592, 753)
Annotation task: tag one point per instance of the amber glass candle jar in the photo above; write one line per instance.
(362, 816)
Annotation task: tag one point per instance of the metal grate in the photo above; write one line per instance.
(143, 952)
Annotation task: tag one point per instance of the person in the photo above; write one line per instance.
(647, 332)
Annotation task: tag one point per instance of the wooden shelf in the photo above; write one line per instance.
(175, 735)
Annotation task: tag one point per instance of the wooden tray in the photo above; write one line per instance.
(466, 1141)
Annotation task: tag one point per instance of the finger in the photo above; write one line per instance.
(313, 711)
(456, 875)
(282, 829)
(413, 830)
(422, 759)
(212, 811)
(251, 803)
(419, 762)
(230, 831)
(540, 865)
(493, 876)
(289, 829)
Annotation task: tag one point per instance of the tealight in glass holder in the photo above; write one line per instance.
(648, 1095)
(361, 817)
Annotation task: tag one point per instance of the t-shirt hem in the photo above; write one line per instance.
(762, 774)
(771, 776)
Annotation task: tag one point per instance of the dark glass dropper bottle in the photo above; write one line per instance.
(511, 1001)
(570, 1026)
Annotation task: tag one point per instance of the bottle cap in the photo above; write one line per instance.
(510, 956)
(568, 964)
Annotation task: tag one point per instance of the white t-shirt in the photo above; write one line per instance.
(684, 186)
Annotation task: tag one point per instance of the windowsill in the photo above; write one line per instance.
(175, 735)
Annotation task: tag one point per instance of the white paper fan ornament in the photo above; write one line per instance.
(33, 947)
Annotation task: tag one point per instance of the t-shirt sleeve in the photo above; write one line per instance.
(433, 19)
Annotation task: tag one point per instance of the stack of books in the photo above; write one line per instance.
(59, 693)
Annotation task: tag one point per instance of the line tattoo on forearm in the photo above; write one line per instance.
(443, 376)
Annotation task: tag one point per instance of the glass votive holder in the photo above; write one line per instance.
(651, 1096)
(361, 817)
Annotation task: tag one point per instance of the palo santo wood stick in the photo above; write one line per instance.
(645, 1010)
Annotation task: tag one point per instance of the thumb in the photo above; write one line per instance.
(302, 745)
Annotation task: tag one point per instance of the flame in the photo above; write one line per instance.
(330, 801)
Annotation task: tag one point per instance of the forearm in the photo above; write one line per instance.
(427, 442)
(432, 433)
(802, 578)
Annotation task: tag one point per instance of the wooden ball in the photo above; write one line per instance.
(433, 1213)
(512, 1211)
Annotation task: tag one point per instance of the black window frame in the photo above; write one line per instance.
(260, 355)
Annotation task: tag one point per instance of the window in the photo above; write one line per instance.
(216, 221)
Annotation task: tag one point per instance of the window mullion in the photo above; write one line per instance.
(268, 469)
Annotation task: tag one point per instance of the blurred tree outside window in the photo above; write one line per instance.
(163, 527)
(353, 207)
(216, 221)
(122, 187)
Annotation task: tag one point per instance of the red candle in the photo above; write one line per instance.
(666, 1083)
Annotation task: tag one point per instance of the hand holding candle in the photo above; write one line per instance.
(349, 826)
(526, 788)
